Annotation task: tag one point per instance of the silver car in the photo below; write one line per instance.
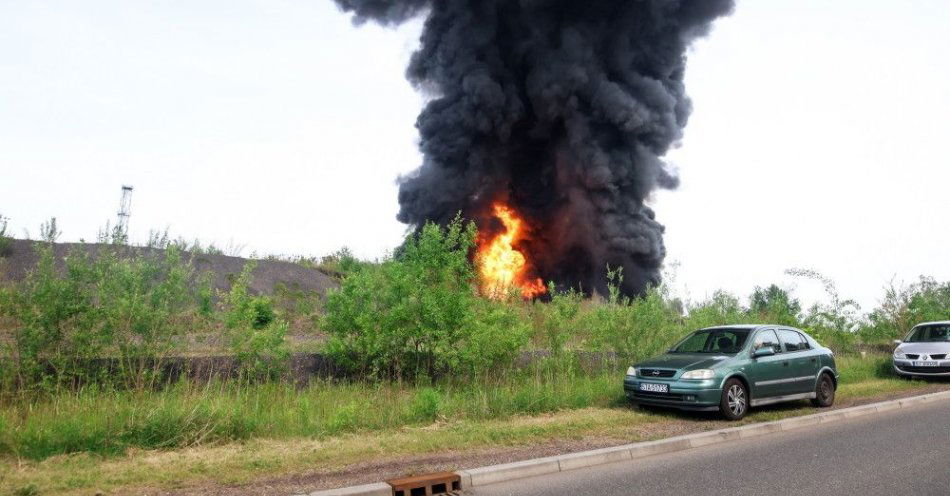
(925, 351)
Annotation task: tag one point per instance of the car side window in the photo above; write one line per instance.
(766, 339)
(805, 344)
(792, 340)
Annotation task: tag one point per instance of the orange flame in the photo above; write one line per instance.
(501, 265)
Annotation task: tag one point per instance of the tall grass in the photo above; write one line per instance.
(856, 368)
(109, 421)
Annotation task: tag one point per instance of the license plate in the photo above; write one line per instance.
(654, 388)
(928, 363)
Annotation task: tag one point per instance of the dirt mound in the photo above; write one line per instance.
(22, 257)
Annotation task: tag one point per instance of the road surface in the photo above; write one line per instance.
(903, 452)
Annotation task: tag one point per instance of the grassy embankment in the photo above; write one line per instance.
(224, 434)
(394, 325)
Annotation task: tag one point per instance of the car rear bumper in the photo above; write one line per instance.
(904, 367)
(685, 395)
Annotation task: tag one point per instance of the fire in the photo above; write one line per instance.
(501, 265)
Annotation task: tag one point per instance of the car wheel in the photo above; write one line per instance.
(824, 392)
(735, 400)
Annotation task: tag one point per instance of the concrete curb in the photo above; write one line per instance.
(540, 466)
(378, 489)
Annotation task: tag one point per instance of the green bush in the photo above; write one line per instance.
(418, 315)
(55, 319)
(559, 319)
(120, 304)
(633, 328)
(425, 404)
(721, 309)
(340, 263)
(903, 307)
(930, 302)
(141, 301)
(254, 334)
(775, 305)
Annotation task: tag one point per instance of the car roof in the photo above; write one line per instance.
(735, 326)
(750, 327)
(936, 322)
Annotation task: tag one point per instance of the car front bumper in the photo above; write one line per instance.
(906, 368)
(685, 395)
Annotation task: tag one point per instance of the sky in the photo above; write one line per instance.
(817, 138)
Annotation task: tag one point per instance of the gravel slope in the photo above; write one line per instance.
(268, 273)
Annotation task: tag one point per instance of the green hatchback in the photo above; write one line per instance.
(732, 368)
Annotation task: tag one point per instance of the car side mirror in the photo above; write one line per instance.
(897, 341)
(763, 352)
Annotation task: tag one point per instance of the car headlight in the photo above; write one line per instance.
(699, 374)
(631, 371)
(900, 355)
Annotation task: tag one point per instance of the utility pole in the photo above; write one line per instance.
(125, 206)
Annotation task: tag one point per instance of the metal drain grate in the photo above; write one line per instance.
(426, 485)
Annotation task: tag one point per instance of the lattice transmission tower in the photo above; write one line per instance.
(125, 206)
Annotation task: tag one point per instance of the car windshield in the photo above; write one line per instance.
(930, 334)
(722, 341)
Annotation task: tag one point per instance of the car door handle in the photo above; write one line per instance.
(813, 360)
(785, 364)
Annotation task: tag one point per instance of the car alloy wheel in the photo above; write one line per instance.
(734, 403)
(736, 400)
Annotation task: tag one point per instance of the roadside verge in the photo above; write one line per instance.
(540, 466)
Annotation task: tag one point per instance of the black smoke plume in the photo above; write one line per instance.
(563, 109)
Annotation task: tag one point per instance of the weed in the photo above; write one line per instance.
(27, 490)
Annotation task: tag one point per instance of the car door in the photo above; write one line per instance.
(767, 373)
(801, 366)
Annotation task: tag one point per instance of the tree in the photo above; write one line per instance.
(775, 306)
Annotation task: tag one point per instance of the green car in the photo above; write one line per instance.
(732, 368)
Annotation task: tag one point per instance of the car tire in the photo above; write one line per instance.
(824, 392)
(735, 400)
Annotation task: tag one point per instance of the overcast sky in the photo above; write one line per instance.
(818, 137)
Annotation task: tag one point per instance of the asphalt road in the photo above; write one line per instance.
(904, 452)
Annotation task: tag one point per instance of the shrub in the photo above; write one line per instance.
(340, 263)
(905, 306)
(54, 318)
(141, 301)
(721, 309)
(633, 328)
(254, 334)
(774, 305)
(425, 405)
(930, 302)
(128, 305)
(559, 319)
(418, 314)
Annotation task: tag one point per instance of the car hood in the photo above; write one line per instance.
(687, 361)
(929, 348)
